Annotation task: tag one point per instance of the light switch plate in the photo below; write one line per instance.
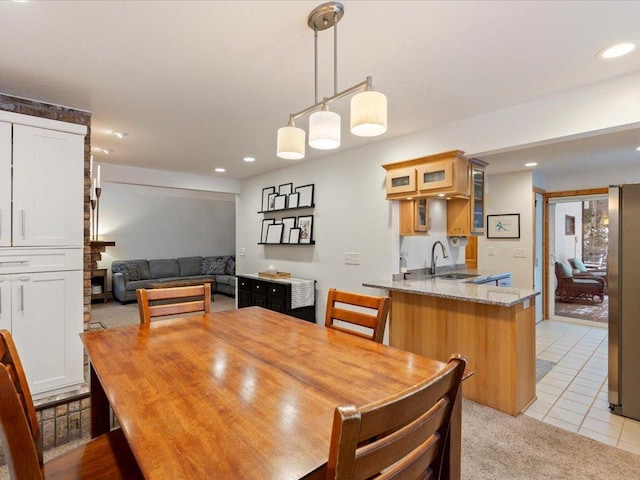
(243, 252)
(351, 258)
(491, 251)
(519, 253)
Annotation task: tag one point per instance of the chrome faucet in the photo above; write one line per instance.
(433, 256)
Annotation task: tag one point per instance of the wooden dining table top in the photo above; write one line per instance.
(242, 394)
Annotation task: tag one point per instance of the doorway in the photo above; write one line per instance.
(578, 243)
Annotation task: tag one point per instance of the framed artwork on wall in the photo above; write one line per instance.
(294, 235)
(280, 202)
(289, 223)
(305, 224)
(306, 195)
(274, 233)
(285, 189)
(569, 225)
(265, 197)
(293, 200)
(503, 226)
(265, 225)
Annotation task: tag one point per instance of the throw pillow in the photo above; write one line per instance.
(213, 265)
(566, 271)
(231, 266)
(579, 265)
(129, 270)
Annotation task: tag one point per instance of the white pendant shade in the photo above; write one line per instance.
(369, 114)
(291, 143)
(324, 130)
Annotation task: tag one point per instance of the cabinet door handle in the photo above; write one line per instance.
(23, 216)
(4, 262)
(22, 298)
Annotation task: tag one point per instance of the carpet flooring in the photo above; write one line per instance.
(584, 310)
(498, 446)
(114, 314)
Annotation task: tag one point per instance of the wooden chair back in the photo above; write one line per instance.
(404, 435)
(376, 321)
(19, 430)
(147, 311)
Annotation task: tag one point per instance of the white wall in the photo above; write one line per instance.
(510, 193)
(152, 222)
(567, 246)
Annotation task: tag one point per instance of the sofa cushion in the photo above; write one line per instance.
(565, 270)
(224, 279)
(163, 268)
(128, 269)
(230, 269)
(213, 265)
(190, 266)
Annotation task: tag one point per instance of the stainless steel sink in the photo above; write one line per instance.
(456, 276)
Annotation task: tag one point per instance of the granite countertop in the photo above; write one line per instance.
(459, 289)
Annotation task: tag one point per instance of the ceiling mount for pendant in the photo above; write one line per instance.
(368, 108)
(325, 16)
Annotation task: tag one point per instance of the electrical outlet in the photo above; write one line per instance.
(351, 258)
(491, 251)
(519, 253)
(243, 252)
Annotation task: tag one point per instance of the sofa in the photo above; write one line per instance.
(129, 275)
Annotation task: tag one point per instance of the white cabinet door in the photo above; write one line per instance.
(5, 184)
(48, 187)
(5, 303)
(46, 323)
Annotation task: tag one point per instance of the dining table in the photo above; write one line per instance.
(245, 394)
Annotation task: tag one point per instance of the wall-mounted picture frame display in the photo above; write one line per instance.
(305, 224)
(265, 225)
(280, 202)
(272, 201)
(265, 197)
(285, 189)
(503, 226)
(306, 195)
(289, 223)
(293, 199)
(294, 235)
(569, 225)
(274, 233)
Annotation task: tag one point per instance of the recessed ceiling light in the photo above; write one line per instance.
(531, 164)
(615, 51)
(106, 151)
(119, 134)
(249, 159)
(638, 149)
(441, 194)
(220, 170)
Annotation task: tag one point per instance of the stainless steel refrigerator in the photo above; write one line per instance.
(623, 278)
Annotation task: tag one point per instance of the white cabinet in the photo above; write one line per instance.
(43, 314)
(48, 187)
(41, 247)
(5, 184)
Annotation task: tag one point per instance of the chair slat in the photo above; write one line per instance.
(375, 320)
(401, 437)
(148, 311)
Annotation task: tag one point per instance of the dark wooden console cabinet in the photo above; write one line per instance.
(272, 294)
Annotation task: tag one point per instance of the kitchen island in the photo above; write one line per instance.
(494, 326)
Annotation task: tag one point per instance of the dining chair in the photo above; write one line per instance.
(374, 317)
(107, 456)
(404, 435)
(147, 311)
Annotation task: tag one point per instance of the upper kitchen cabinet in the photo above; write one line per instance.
(48, 187)
(436, 175)
(414, 217)
(466, 216)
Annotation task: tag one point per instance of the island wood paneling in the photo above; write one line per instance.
(499, 341)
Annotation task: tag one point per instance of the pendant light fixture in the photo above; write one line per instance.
(368, 108)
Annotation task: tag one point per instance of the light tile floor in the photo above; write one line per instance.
(574, 394)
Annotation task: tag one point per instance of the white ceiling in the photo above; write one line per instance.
(201, 84)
